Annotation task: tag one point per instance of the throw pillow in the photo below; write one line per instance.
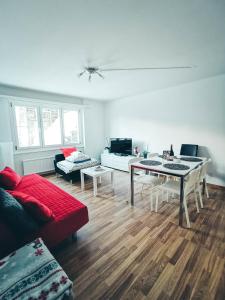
(9, 179)
(15, 216)
(67, 151)
(39, 211)
(77, 156)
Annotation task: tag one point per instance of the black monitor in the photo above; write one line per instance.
(122, 146)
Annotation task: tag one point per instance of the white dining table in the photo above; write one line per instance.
(161, 169)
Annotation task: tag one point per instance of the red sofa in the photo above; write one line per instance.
(70, 214)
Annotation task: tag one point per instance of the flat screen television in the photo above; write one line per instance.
(121, 146)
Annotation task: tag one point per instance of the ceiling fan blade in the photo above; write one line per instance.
(99, 74)
(80, 74)
(147, 68)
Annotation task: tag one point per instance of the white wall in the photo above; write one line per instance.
(93, 122)
(190, 113)
(5, 130)
(94, 128)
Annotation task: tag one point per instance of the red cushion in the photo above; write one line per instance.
(68, 151)
(9, 179)
(38, 210)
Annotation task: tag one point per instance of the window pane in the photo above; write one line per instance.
(51, 126)
(71, 126)
(27, 126)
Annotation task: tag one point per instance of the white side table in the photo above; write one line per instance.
(96, 175)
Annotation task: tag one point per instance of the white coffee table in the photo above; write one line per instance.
(96, 175)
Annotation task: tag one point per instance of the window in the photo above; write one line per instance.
(27, 126)
(51, 126)
(71, 126)
(44, 126)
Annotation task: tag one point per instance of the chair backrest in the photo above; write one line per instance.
(204, 168)
(192, 180)
(189, 150)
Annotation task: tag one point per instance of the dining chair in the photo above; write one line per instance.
(150, 181)
(202, 177)
(189, 150)
(189, 187)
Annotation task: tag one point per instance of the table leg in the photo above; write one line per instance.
(82, 180)
(132, 186)
(181, 201)
(112, 179)
(95, 185)
(100, 180)
(203, 186)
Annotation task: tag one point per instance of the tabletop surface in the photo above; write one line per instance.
(162, 169)
(92, 171)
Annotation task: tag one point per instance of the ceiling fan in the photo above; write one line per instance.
(90, 71)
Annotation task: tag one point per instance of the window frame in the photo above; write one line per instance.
(39, 105)
(79, 126)
(16, 135)
(42, 127)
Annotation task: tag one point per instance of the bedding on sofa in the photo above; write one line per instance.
(31, 272)
(68, 167)
(77, 156)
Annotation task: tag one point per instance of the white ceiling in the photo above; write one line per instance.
(45, 44)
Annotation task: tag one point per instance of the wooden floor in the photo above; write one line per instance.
(129, 252)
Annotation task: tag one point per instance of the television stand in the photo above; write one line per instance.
(120, 154)
(116, 161)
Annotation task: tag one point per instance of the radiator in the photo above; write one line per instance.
(38, 165)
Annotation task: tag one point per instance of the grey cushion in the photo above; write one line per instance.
(14, 215)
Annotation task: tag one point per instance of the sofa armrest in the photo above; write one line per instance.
(59, 157)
